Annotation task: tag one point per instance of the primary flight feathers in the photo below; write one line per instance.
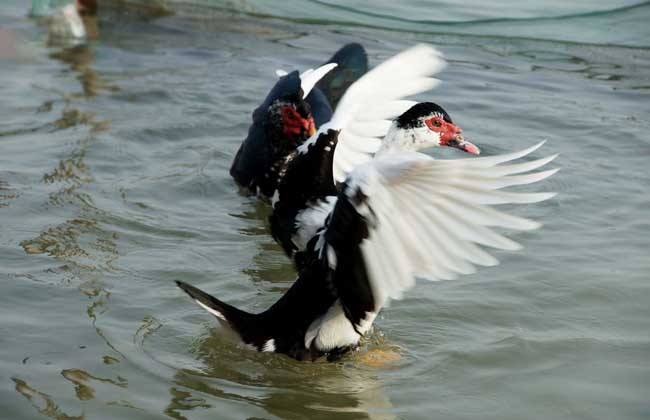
(426, 217)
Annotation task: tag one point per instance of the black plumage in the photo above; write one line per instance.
(261, 155)
(307, 178)
(412, 117)
(287, 321)
(352, 63)
(345, 232)
(318, 286)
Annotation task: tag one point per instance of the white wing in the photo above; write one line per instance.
(367, 108)
(309, 78)
(428, 217)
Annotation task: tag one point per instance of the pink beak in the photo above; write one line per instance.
(460, 143)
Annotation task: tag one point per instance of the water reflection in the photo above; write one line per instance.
(80, 58)
(6, 194)
(85, 248)
(183, 401)
(269, 263)
(82, 379)
(42, 402)
(148, 326)
(77, 51)
(279, 385)
(80, 242)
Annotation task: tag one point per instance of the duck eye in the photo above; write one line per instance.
(436, 123)
(289, 115)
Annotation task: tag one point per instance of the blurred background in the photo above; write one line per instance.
(117, 130)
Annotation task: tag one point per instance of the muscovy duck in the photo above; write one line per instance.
(307, 189)
(359, 129)
(398, 216)
(290, 114)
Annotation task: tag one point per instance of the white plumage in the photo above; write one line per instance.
(309, 78)
(333, 329)
(366, 110)
(400, 215)
(309, 220)
(269, 345)
(427, 217)
(211, 310)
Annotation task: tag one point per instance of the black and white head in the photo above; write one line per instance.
(427, 124)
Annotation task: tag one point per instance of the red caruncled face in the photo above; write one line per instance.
(448, 131)
(294, 125)
(450, 135)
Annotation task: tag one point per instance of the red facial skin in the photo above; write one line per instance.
(451, 135)
(294, 125)
(448, 131)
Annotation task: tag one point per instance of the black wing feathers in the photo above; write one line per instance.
(346, 230)
(307, 178)
(352, 63)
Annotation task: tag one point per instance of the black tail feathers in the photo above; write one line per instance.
(247, 325)
(352, 63)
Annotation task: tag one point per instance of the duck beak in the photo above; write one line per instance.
(459, 142)
(309, 126)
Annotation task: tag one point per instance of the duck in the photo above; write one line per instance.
(359, 130)
(397, 217)
(295, 107)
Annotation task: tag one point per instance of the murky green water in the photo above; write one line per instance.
(113, 183)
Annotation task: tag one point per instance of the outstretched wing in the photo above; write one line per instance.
(350, 138)
(408, 215)
(368, 107)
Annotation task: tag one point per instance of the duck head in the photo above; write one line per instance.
(288, 123)
(425, 125)
(281, 123)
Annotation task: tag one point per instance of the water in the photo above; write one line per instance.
(113, 183)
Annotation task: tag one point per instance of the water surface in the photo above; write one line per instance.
(113, 183)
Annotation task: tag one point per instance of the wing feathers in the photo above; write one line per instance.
(495, 183)
(488, 161)
(385, 111)
(376, 128)
(368, 106)
(309, 78)
(485, 216)
(365, 145)
(431, 218)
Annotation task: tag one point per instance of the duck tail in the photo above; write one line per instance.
(245, 324)
(352, 61)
